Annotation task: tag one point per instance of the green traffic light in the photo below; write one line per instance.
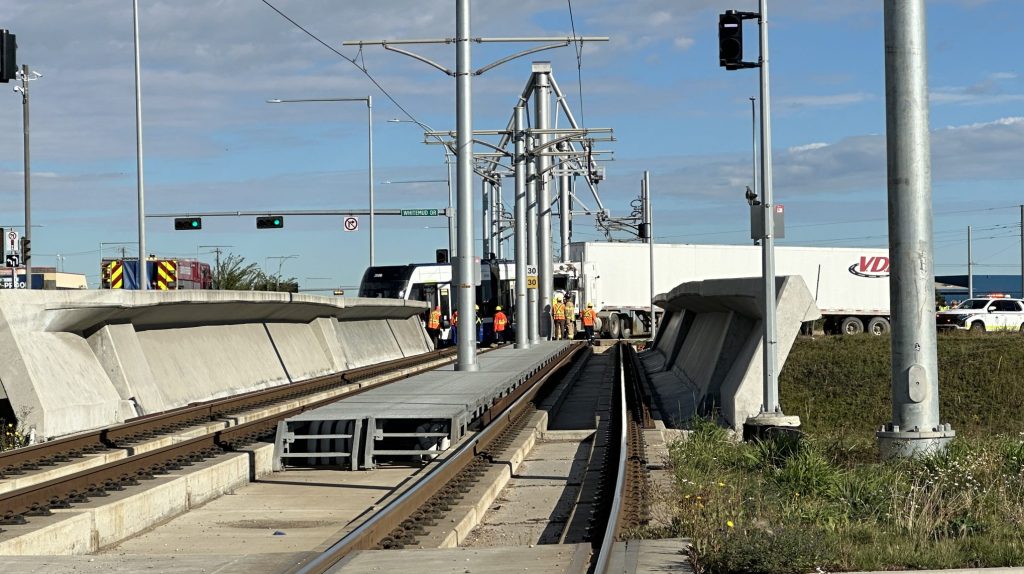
(195, 223)
(277, 222)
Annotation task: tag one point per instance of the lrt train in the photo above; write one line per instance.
(432, 284)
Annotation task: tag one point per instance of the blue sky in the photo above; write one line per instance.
(212, 143)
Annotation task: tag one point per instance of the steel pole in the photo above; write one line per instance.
(28, 181)
(369, 146)
(532, 300)
(1022, 251)
(143, 274)
(650, 242)
(970, 263)
(753, 139)
(451, 208)
(499, 205)
(542, 119)
(466, 360)
(522, 311)
(915, 426)
(564, 209)
(485, 224)
(771, 385)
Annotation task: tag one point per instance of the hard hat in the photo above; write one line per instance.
(590, 304)
(557, 298)
(498, 308)
(477, 307)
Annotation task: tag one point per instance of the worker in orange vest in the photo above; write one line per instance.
(588, 317)
(434, 325)
(558, 314)
(500, 322)
(455, 327)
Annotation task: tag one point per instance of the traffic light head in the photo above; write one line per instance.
(730, 40)
(269, 222)
(187, 223)
(441, 256)
(26, 249)
(8, 57)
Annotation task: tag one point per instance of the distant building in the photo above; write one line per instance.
(954, 287)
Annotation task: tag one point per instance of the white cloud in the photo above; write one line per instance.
(683, 43)
(829, 100)
(806, 147)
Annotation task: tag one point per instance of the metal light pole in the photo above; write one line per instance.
(26, 77)
(280, 264)
(143, 273)
(522, 312)
(532, 301)
(448, 170)
(915, 428)
(369, 143)
(464, 181)
(564, 207)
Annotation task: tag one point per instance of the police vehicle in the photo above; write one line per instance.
(991, 313)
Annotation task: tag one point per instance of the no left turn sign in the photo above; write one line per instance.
(351, 224)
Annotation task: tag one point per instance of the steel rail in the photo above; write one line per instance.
(501, 415)
(63, 449)
(614, 517)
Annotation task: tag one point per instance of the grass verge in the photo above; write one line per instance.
(825, 502)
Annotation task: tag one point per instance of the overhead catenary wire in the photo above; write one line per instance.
(579, 62)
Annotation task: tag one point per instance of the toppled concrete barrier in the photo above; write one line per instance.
(79, 360)
(707, 356)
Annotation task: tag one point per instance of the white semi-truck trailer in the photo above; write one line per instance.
(850, 285)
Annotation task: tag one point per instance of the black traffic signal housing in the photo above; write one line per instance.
(26, 250)
(730, 39)
(8, 57)
(269, 222)
(441, 255)
(187, 223)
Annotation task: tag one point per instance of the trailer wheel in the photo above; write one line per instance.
(613, 326)
(878, 326)
(851, 326)
(625, 329)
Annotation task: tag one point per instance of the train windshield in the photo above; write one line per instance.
(388, 282)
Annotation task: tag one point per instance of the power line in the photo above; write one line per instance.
(361, 68)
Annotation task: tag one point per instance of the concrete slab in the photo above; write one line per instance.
(650, 556)
(299, 350)
(160, 564)
(547, 559)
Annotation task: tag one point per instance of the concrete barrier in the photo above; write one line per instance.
(79, 360)
(707, 354)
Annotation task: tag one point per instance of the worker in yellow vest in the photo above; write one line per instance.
(434, 325)
(558, 314)
(500, 323)
(588, 317)
(570, 319)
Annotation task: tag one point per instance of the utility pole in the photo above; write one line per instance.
(649, 223)
(545, 271)
(970, 264)
(915, 428)
(522, 309)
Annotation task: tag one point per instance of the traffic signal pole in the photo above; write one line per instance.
(28, 185)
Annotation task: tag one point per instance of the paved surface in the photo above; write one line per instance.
(289, 512)
(173, 564)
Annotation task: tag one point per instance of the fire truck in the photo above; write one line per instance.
(163, 274)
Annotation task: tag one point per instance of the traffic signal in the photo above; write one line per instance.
(26, 249)
(8, 57)
(730, 40)
(187, 223)
(269, 222)
(442, 255)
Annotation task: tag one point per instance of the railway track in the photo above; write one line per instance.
(18, 506)
(614, 506)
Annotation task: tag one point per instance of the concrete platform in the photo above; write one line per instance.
(168, 564)
(80, 360)
(426, 412)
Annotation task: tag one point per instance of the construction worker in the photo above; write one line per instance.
(570, 319)
(434, 325)
(588, 317)
(479, 326)
(558, 314)
(455, 327)
(500, 322)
